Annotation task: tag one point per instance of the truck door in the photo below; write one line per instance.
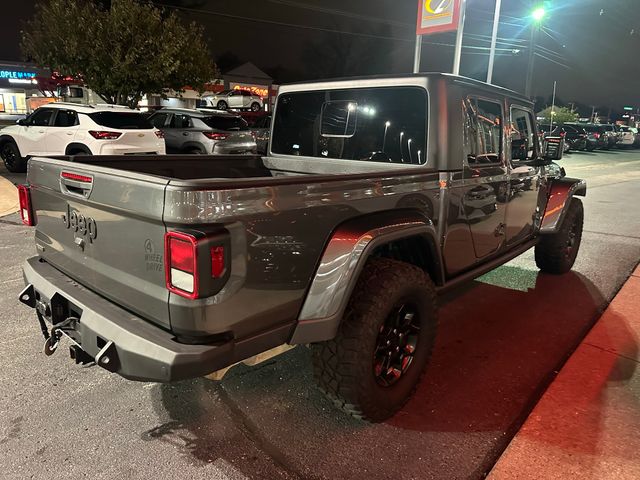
(485, 175)
(522, 207)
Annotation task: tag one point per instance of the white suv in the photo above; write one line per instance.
(240, 99)
(68, 129)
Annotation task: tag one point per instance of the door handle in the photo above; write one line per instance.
(186, 134)
(40, 131)
(69, 133)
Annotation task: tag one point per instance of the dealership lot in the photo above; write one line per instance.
(501, 340)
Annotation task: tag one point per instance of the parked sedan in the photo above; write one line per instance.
(575, 136)
(628, 137)
(203, 131)
(612, 135)
(596, 136)
(240, 99)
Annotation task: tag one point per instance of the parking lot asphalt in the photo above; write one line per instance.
(501, 341)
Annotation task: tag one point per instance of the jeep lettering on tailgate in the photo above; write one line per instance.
(77, 222)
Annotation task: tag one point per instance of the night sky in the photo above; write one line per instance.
(592, 46)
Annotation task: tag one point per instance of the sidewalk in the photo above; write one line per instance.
(587, 424)
(8, 197)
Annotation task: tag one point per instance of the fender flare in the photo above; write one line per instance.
(77, 146)
(342, 261)
(561, 191)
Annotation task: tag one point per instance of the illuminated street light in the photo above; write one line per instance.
(538, 14)
(401, 152)
(409, 147)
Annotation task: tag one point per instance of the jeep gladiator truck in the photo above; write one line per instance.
(376, 195)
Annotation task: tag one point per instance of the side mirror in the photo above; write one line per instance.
(553, 148)
(22, 122)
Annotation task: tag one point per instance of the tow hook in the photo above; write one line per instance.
(52, 343)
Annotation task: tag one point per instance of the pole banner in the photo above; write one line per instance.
(435, 16)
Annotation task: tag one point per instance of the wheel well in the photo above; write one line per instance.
(6, 139)
(75, 148)
(417, 250)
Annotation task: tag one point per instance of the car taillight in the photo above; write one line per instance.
(215, 135)
(26, 211)
(102, 135)
(159, 134)
(562, 134)
(596, 136)
(183, 264)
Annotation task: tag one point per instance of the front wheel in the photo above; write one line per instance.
(255, 106)
(373, 365)
(222, 105)
(12, 159)
(557, 253)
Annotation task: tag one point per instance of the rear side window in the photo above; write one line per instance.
(225, 123)
(159, 120)
(385, 124)
(121, 120)
(66, 118)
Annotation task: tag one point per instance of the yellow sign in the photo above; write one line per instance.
(436, 16)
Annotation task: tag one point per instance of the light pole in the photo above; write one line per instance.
(384, 139)
(401, 152)
(409, 147)
(537, 16)
(494, 39)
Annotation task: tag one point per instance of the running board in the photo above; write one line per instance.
(485, 267)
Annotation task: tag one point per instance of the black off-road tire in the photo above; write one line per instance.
(557, 253)
(344, 367)
(11, 157)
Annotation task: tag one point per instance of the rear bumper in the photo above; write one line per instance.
(137, 350)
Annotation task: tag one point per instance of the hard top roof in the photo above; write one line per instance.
(383, 80)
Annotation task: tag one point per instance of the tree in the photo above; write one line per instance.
(560, 115)
(123, 51)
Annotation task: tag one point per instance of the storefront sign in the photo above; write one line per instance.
(9, 74)
(260, 91)
(435, 16)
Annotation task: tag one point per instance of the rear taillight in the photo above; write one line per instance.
(159, 134)
(186, 264)
(215, 135)
(26, 211)
(181, 267)
(102, 135)
(596, 136)
(562, 134)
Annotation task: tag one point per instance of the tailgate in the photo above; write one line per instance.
(103, 228)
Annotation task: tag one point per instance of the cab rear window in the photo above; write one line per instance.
(226, 123)
(121, 120)
(383, 124)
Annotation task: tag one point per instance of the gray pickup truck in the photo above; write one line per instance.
(376, 195)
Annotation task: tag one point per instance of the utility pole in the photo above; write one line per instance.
(494, 38)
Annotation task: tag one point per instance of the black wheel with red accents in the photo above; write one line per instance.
(373, 365)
